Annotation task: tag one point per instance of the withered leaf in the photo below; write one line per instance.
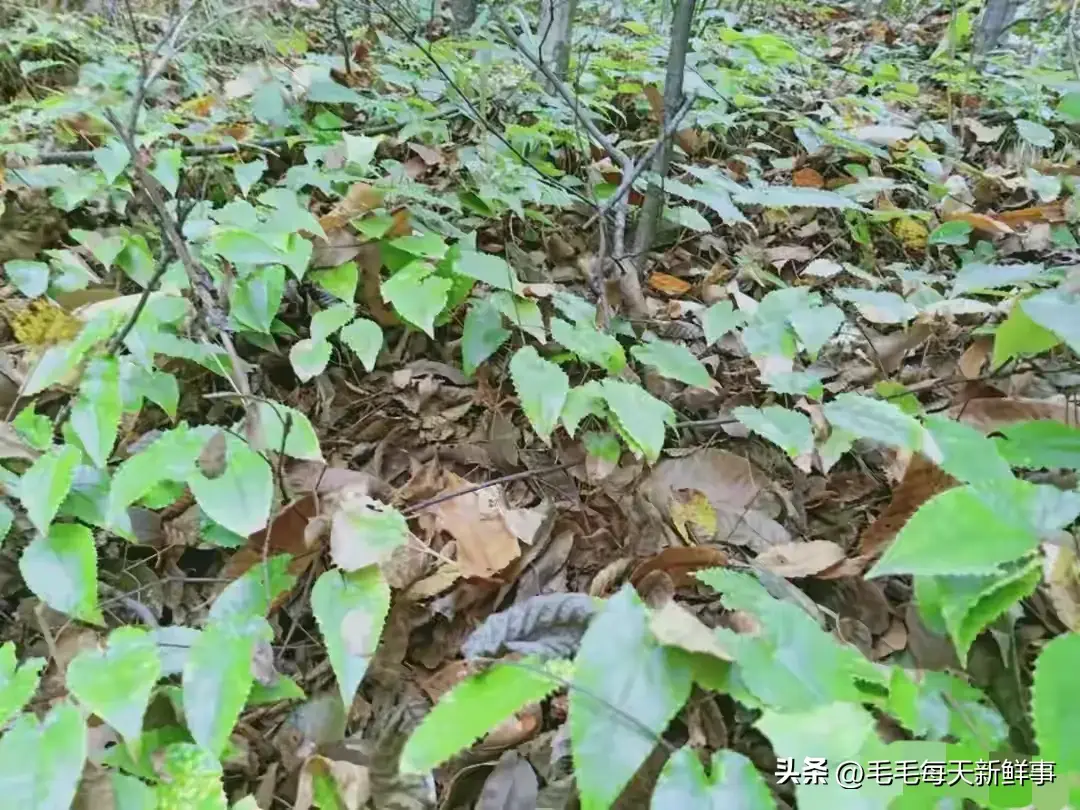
(549, 625)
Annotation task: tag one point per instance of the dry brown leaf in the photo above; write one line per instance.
(922, 481)
(12, 444)
(808, 178)
(432, 157)
(675, 626)
(351, 781)
(485, 544)
(782, 254)
(360, 199)
(1054, 212)
(679, 562)
(990, 413)
(691, 140)
(339, 246)
(1061, 572)
(211, 460)
(668, 284)
(794, 560)
(973, 359)
(369, 261)
(656, 102)
(894, 640)
(287, 536)
(983, 223)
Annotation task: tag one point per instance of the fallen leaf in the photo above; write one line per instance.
(13, 446)
(511, 785)
(485, 544)
(922, 480)
(678, 562)
(695, 510)
(287, 535)
(973, 359)
(675, 626)
(656, 102)
(990, 413)
(369, 260)
(808, 178)
(432, 157)
(360, 198)
(984, 223)
(781, 255)
(442, 580)
(668, 285)
(1054, 212)
(349, 780)
(794, 560)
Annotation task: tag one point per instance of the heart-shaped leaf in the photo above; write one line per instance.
(240, 498)
(365, 338)
(61, 569)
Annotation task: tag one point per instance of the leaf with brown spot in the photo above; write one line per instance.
(807, 178)
(211, 461)
(794, 560)
(679, 562)
(668, 284)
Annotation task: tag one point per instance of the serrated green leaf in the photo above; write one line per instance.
(95, 416)
(112, 159)
(1019, 336)
(482, 336)
(639, 417)
(523, 313)
(115, 684)
(30, 278)
(104, 248)
(301, 440)
(328, 321)
(590, 344)
(814, 325)
(44, 486)
(339, 281)
(217, 679)
(166, 169)
(35, 428)
(795, 382)
(256, 298)
(360, 149)
(241, 497)
(582, 401)
(874, 419)
(673, 360)
(966, 454)
(472, 708)
(968, 604)
(61, 569)
(171, 457)
(1054, 709)
(621, 665)
(789, 429)
(978, 277)
(573, 307)
(417, 295)
(878, 306)
(54, 365)
(719, 319)
(190, 779)
(351, 610)
(248, 174)
(733, 781)
(364, 532)
(1058, 311)
(40, 763)
(1034, 133)
(426, 245)
(792, 197)
(249, 596)
(541, 387)
(309, 358)
(953, 232)
(365, 338)
(968, 530)
(18, 682)
(1040, 443)
(243, 247)
(715, 198)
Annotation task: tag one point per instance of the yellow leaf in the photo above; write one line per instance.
(696, 511)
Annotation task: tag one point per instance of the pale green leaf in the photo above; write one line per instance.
(482, 336)
(166, 169)
(112, 159)
(426, 245)
(300, 441)
(350, 610)
(815, 325)
(687, 217)
(715, 198)
(1019, 336)
(248, 174)
(789, 429)
(360, 149)
(541, 387)
(249, 596)
(719, 319)
(795, 382)
(190, 779)
(61, 570)
(590, 344)
(954, 232)
(328, 321)
(494, 271)
(733, 781)
(115, 684)
(170, 457)
(620, 664)
(639, 417)
(1054, 708)
(792, 196)
(44, 486)
(217, 679)
(874, 419)
(1034, 133)
(978, 277)
(966, 454)
(1040, 443)
(364, 532)
(1058, 311)
(30, 278)
(339, 281)
(365, 338)
(243, 247)
(417, 295)
(41, 762)
(1068, 107)
(523, 313)
(283, 688)
(878, 306)
(35, 428)
(256, 298)
(18, 682)
(95, 416)
(581, 401)
(573, 307)
(105, 248)
(474, 707)
(309, 358)
(673, 360)
(241, 497)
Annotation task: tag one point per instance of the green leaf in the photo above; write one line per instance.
(17, 683)
(966, 454)
(112, 159)
(104, 248)
(573, 307)
(621, 671)
(240, 498)
(1068, 107)
(937, 705)
(417, 295)
(309, 358)
(878, 306)
(328, 321)
(1040, 443)
(61, 569)
(360, 149)
(523, 313)
(248, 174)
(249, 596)
(715, 198)
(954, 232)
(581, 402)
(1054, 709)
(351, 610)
(284, 688)
(29, 278)
(795, 382)
(604, 446)
(171, 457)
(687, 217)
(54, 365)
(426, 245)
(474, 707)
(217, 679)
(256, 298)
(1058, 311)
(968, 604)
(243, 247)
(191, 779)
(494, 271)
(639, 417)
(44, 486)
(36, 428)
(541, 387)
(874, 419)
(719, 319)
(966, 530)
(979, 277)
(365, 338)
(1019, 336)
(590, 344)
(1034, 133)
(166, 169)
(815, 325)
(115, 684)
(733, 781)
(300, 442)
(95, 416)
(483, 335)
(789, 429)
(673, 360)
(339, 281)
(792, 196)
(364, 532)
(40, 763)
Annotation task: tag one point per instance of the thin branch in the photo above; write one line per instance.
(162, 266)
(505, 479)
(339, 32)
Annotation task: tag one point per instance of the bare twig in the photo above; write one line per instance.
(339, 32)
(159, 271)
